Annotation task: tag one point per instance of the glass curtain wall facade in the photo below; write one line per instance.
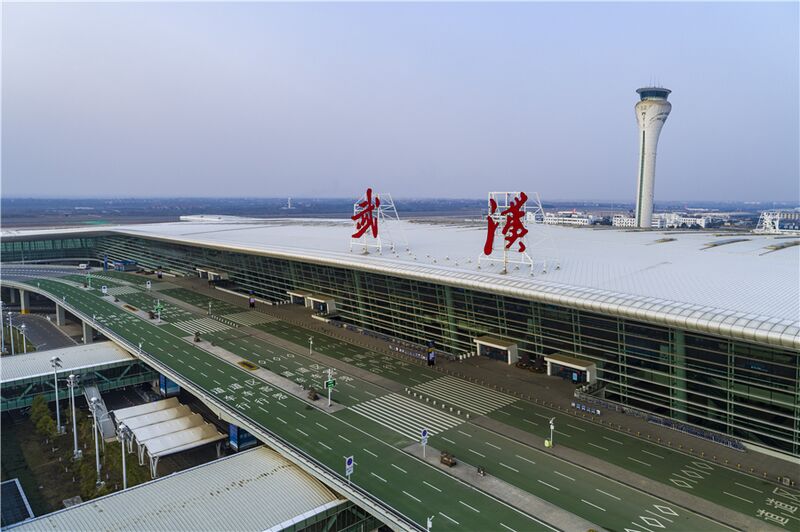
(745, 390)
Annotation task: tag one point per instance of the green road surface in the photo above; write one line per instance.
(370, 433)
(408, 485)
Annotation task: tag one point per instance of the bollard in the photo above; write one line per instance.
(680, 446)
(751, 469)
(702, 453)
(467, 415)
(726, 460)
(638, 433)
(738, 466)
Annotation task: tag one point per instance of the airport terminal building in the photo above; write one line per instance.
(698, 327)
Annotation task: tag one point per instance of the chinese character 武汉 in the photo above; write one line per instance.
(364, 218)
(513, 229)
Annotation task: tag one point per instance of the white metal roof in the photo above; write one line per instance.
(227, 494)
(691, 279)
(122, 414)
(76, 357)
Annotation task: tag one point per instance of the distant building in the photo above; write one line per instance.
(568, 218)
(665, 220)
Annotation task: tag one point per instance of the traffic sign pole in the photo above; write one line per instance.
(349, 462)
(328, 384)
(424, 441)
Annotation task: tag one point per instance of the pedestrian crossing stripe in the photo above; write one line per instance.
(202, 325)
(466, 395)
(406, 416)
(121, 290)
(111, 279)
(250, 318)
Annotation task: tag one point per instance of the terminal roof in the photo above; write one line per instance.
(733, 284)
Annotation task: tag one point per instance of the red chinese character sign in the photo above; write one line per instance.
(365, 217)
(371, 213)
(514, 228)
(507, 212)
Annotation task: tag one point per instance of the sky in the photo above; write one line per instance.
(446, 100)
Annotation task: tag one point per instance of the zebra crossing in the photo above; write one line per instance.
(201, 325)
(110, 279)
(406, 416)
(121, 290)
(464, 394)
(250, 318)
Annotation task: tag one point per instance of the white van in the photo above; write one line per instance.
(83, 266)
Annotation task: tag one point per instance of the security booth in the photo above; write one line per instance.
(297, 297)
(572, 369)
(320, 303)
(212, 275)
(497, 348)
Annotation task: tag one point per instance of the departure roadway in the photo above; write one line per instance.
(380, 423)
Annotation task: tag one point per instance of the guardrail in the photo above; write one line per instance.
(301, 458)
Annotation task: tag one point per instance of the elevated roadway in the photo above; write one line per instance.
(400, 488)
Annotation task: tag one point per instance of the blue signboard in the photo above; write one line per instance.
(239, 439)
(167, 387)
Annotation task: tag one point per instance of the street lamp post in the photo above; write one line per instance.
(209, 308)
(11, 332)
(93, 406)
(552, 429)
(122, 436)
(310, 344)
(56, 363)
(72, 382)
(24, 341)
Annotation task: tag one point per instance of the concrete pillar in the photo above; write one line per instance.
(12, 300)
(88, 333)
(24, 301)
(61, 318)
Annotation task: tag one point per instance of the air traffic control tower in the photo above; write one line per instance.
(652, 111)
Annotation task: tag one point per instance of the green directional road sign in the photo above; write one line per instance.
(330, 383)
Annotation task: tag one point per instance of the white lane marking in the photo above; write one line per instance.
(598, 446)
(748, 487)
(492, 445)
(653, 454)
(407, 493)
(592, 504)
(470, 507)
(517, 407)
(448, 441)
(660, 516)
(576, 428)
(476, 452)
(509, 467)
(431, 486)
(612, 439)
(464, 433)
(549, 485)
(635, 460)
(399, 468)
(376, 476)
(301, 432)
(263, 409)
(606, 493)
(345, 439)
(531, 422)
(369, 452)
(203, 374)
(507, 527)
(449, 518)
(523, 458)
(563, 475)
(321, 425)
(319, 442)
(737, 497)
(301, 415)
(279, 419)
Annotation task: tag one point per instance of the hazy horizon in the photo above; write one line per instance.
(445, 100)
